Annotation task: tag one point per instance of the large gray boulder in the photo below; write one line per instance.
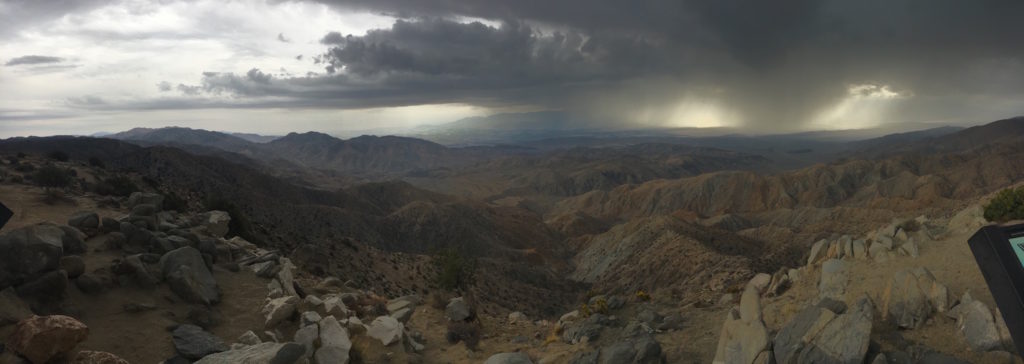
(334, 342)
(193, 342)
(911, 296)
(279, 309)
(509, 358)
(978, 326)
(187, 275)
(819, 335)
(818, 251)
(386, 329)
(268, 352)
(27, 252)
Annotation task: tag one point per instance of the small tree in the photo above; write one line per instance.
(454, 270)
(1007, 205)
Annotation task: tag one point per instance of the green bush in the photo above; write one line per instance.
(52, 177)
(1007, 205)
(453, 269)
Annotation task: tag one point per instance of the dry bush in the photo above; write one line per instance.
(467, 332)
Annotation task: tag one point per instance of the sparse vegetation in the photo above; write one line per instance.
(52, 177)
(642, 295)
(454, 270)
(58, 156)
(1007, 205)
(116, 186)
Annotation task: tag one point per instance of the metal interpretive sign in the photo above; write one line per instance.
(999, 251)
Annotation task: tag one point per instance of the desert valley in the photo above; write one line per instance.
(182, 245)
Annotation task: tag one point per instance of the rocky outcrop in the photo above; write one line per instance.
(40, 338)
(386, 329)
(277, 310)
(335, 343)
(744, 335)
(819, 335)
(12, 308)
(834, 278)
(86, 221)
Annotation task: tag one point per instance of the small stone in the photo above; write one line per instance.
(193, 342)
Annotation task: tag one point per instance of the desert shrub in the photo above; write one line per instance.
(1007, 205)
(55, 196)
(58, 156)
(466, 332)
(96, 162)
(51, 177)
(642, 295)
(16, 178)
(438, 300)
(454, 270)
(910, 226)
(116, 186)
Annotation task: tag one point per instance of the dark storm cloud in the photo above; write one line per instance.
(776, 64)
(33, 59)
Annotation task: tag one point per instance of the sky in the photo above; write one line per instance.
(337, 66)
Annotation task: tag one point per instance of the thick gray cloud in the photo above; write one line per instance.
(33, 59)
(774, 64)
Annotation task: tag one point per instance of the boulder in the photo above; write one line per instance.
(73, 240)
(109, 225)
(818, 252)
(27, 252)
(795, 335)
(334, 342)
(457, 310)
(139, 272)
(509, 358)
(72, 264)
(143, 198)
(911, 296)
(215, 223)
(286, 278)
(909, 248)
(780, 283)
(86, 221)
(89, 284)
(192, 342)
(860, 249)
(268, 352)
(40, 338)
(137, 239)
(978, 327)
(47, 288)
(307, 336)
(334, 305)
(588, 329)
(309, 318)
(97, 357)
(834, 278)
(12, 308)
(187, 275)
(403, 315)
(744, 335)
(278, 309)
(386, 329)
(517, 317)
(249, 338)
(844, 339)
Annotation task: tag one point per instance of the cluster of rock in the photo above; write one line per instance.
(834, 331)
(827, 332)
(318, 327)
(613, 339)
